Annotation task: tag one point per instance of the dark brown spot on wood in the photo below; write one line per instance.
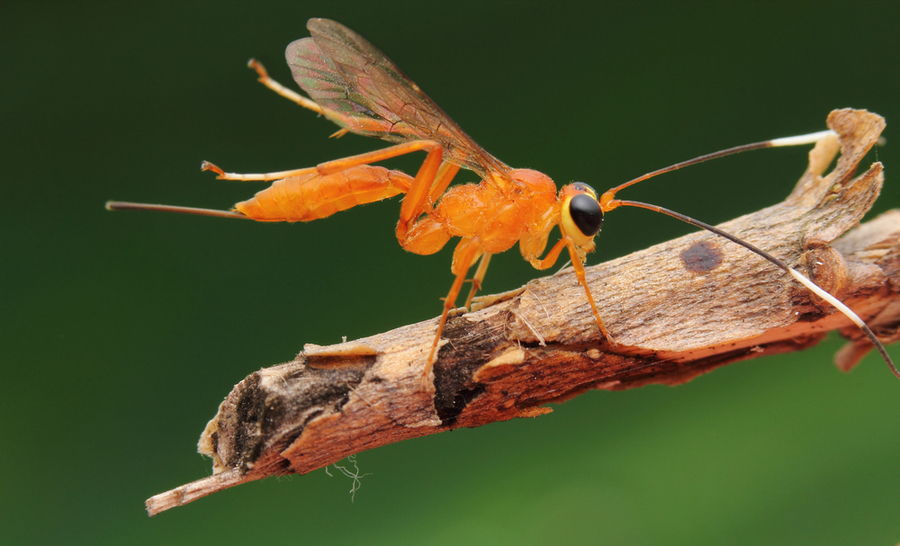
(701, 257)
(454, 386)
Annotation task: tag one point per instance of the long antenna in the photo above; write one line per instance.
(802, 279)
(810, 138)
(609, 202)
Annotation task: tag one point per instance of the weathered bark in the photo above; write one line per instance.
(676, 310)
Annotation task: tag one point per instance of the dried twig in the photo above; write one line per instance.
(676, 310)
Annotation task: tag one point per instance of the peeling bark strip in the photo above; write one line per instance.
(676, 310)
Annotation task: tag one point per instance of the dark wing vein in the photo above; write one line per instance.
(369, 95)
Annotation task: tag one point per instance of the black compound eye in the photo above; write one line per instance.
(586, 214)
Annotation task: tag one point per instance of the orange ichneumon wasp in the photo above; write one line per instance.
(357, 87)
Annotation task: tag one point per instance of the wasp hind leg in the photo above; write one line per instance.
(478, 278)
(467, 251)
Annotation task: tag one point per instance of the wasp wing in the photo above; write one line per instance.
(361, 89)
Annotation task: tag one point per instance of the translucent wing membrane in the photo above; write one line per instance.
(364, 91)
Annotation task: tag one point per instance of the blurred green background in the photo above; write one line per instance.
(122, 332)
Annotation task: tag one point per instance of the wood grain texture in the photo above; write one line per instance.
(676, 310)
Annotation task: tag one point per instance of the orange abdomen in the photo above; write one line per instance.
(314, 196)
